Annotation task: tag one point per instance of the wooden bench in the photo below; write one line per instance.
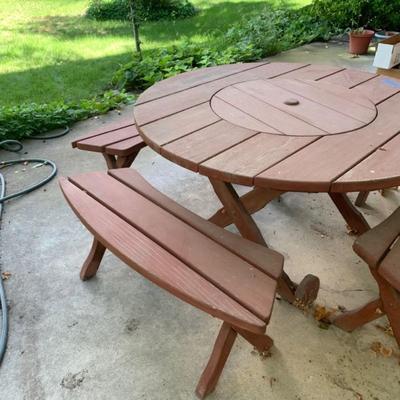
(119, 143)
(226, 276)
(380, 249)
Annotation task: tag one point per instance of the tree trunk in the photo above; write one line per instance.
(135, 25)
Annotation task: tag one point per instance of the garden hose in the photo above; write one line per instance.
(15, 146)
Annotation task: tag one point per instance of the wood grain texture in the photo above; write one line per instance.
(374, 244)
(100, 142)
(178, 125)
(269, 261)
(315, 167)
(165, 106)
(380, 169)
(241, 281)
(115, 125)
(390, 266)
(154, 262)
(241, 163)
(379, 89)
(192, 79)
(193, 149)
(349, 78)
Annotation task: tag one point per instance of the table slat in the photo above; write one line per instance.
(317, 165)
(199, 146)
(242, 162)
(381, 168)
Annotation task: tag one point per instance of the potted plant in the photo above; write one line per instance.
(360, 39)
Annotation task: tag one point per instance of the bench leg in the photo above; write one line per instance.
(353, 319)
(110, 161)
(241, 217)
(252, 201)
(212, 372)
(261, 342)
(361, 199)
(126, 162)
(355, 220)
(93, 260)
(391, 305)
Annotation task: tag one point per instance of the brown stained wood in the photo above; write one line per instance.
(261, 342)
(353, 319)
(111, 161)
(100, 142)
(178, 125)
(313, 168)
(344, 101)
(391, 302)
(193, 149)
(165, 106)
(380, 169)
(309, 112)
(374, 244)
(212, 372)
(126, 162)
(252, 201)
(155, 263)
(355, 220)
(349, 78)
(191, 79)
(248, 229)
(261, 257)
(379, 89)
(313, 72)
(242, 281)
(245, 96)
(126, 147)
(93, 260)
(114, 126)
(361, 199)
(241, 163)
(238, 117)
(234, 207)
(390, 267)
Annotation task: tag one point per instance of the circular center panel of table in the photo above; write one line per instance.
(293, 107)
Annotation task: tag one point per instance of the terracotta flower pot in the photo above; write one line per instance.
(359, 41)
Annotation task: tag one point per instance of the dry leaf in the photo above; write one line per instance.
(322, 313)
(5, 275)
(379, 349)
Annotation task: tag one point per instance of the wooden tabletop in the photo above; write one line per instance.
(283, 126)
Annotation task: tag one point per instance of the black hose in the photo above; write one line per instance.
(54, 136)
(14, 146)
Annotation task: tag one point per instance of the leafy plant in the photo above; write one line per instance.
(150, 10)
(353, 14)
(266, 34)
(31, 119)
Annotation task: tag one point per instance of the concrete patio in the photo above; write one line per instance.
(120, 337)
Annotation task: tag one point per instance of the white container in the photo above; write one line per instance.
(388, 53)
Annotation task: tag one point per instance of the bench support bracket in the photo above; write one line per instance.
(93, 260)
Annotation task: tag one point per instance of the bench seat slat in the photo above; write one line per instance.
(373, 245)
(252, 288)
(125, 147)
(269, 261)
(100, 142)
(154, 262)
(102, 130)
(390, 266)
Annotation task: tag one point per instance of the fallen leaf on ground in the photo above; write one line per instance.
(379, 349)
(387, 329)
(5, 275)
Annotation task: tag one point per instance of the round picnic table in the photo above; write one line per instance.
(278, 127)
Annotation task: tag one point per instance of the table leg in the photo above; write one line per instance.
(252, 201)
(355, 220)
(308, 288)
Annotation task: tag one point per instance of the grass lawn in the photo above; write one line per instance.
(49, 51)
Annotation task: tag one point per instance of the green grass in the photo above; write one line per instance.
(49, 51)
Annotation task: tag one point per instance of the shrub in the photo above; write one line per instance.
(32, 119)
(266, 34)
(150, 10)
(342, 14)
